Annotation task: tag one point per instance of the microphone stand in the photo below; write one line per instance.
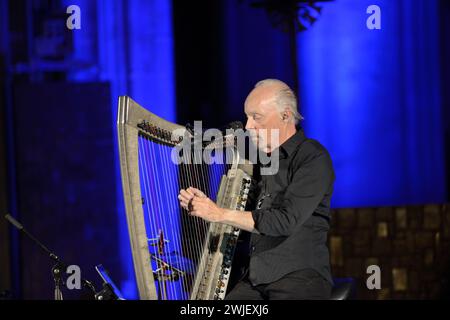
(58, 268)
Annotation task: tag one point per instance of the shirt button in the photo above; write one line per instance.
(253, 248)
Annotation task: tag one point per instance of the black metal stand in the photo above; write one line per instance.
(107, 293)
(58, 269)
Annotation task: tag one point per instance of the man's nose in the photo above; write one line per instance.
(249, 124)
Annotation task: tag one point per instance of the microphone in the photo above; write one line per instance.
(226, 140)
(14, 222)
(20, 227)
(230, 130)
(59, 266)
(235, 125)
(229, 134)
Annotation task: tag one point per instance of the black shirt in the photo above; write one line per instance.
(293, 213)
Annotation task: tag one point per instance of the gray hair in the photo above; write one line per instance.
(285, 97)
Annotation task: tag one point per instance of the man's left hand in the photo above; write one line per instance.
(199, 205)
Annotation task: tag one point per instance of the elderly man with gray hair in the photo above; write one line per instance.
(289, 224)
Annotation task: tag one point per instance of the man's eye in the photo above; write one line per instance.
(256, 117)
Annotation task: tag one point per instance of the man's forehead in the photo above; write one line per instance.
(262, 93)
(259, 103)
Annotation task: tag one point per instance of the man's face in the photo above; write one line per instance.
(263, 117)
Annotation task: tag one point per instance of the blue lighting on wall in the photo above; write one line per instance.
(130, 45)
(372, 98)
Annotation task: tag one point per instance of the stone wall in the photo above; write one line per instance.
(411, 245)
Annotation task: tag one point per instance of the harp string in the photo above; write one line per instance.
(192, 221)
(155, 219)
(175, 237)
(175, 258)
(168, 167)
(188, 233)
(204, 226)
(205, 188)
(164, 214)
(147, 201)
(199, 223)
(179, 254)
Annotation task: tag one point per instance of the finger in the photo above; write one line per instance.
(188, 195)
(185, 193)
(200, 200)
(200, 193)
(197, 192)
(183, 198)
(183, 203)
(190, 205)
(196, 200)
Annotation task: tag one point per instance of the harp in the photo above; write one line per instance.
(177, 256)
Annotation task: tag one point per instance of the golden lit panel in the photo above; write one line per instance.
(382, 229)
(401, 217)
(400, 279)
(337, 257)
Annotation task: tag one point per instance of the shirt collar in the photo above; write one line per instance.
(291, 144)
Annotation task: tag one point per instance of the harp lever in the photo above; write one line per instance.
(175, 272)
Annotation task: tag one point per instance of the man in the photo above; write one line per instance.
(289, 257)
